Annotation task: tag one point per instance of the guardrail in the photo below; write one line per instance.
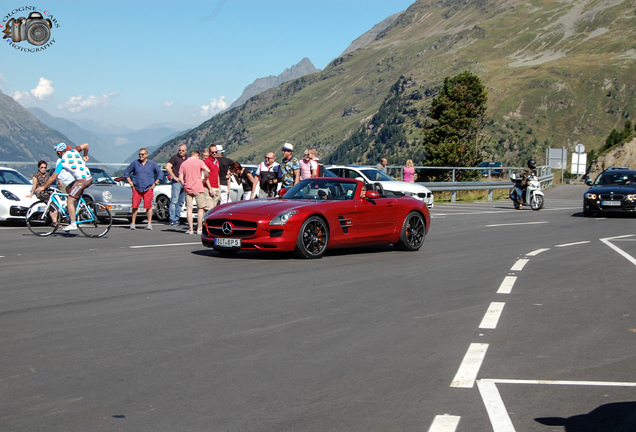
(544, 173)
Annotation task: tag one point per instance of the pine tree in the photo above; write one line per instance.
(459, 110)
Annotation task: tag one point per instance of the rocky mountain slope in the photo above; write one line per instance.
(622, 155)
(557, 73)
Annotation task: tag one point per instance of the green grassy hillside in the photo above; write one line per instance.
(557, 73)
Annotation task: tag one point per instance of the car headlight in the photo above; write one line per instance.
(10, 195)
(282, 218)
(591, 196)
(631, 197)
(107, 196)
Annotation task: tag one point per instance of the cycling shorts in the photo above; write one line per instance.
(76, 188)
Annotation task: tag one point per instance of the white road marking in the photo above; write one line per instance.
(561, 382)
(516, 223)
(519, 264)
(495, 407)
(164, 245)
(572, 244)
(624, 254)
(467, 373)
(444, 423)
(537, 252)
(507, 284)
(493, 313)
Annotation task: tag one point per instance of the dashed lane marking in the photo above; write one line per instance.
(164, 245)
(444, 423)
(467, 373)
(507, 284)
(519, 264)
(516, 224)
(491, 318)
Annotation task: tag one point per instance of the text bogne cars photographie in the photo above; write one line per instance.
(35, 28)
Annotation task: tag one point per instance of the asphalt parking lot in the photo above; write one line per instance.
(505, 320)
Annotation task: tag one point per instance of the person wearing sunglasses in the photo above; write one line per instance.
(212, 185)
(143, 175)
(267, 175)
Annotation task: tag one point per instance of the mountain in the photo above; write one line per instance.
(557, 73)
(108, 143)
(98, 148)
(22, 136)
(371, 35)
(302, 68)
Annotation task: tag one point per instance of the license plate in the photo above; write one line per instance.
(611, 203)
(227, 242)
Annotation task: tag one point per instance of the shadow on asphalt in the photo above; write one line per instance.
(613, 417)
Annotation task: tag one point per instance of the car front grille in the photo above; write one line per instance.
(236, 228)
(615, 197)
(18, 211)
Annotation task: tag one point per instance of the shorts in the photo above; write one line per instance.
(212, 198)
(76, 188)
(199, 197)
(146, 196)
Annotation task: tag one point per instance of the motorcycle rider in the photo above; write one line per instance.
(521, 186)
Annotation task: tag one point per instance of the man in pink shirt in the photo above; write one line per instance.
(212, 186)
(193, 174)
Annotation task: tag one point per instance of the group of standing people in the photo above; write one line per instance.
(408, 171)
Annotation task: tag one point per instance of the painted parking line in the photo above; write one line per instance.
(507, 284)
(444, 423)
(624, 254)
(516, 224)
(491, 318)
(163, 245)
(520, 264)
(467, 373)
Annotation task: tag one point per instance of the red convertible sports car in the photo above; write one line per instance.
(317, 214)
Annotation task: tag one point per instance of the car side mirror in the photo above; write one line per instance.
(588, 182)
(372, 194)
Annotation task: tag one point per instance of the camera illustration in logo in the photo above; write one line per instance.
(35, 29)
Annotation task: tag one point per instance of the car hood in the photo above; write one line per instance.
(403, 186)
(21, 191)
(118, 193)
(621, 189)
(270, 207)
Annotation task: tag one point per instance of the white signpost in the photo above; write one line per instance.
(579, 160)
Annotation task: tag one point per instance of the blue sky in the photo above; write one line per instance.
(138, 63)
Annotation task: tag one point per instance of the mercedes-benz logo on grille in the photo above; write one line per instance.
(226, 228)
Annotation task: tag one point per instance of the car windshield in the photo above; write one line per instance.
(13, 177)
(323, 189)
(614, 178)
(100, 176)
(375, 175)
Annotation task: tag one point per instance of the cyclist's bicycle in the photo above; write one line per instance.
(93, 218)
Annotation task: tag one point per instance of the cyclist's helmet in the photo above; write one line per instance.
(532, 164)
(60, 147)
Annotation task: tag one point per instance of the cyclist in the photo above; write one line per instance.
(71, 162)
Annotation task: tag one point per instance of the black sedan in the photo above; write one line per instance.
(613, 191)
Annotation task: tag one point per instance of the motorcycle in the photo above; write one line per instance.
(532, 195)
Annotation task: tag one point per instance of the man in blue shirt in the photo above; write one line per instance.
(146, 174)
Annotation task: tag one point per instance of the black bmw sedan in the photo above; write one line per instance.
(613, 191)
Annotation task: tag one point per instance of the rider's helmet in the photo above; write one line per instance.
(532, 164)
(60, 147)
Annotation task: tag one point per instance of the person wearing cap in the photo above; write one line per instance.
(72, 162)
(289, 167)
(224, 173)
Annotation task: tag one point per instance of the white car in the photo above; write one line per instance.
(375, 176)
(14, 188)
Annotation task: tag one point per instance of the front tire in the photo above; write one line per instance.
(413, 233)
(536, 202)
(39, 223)
(313, 238)
(163, 208)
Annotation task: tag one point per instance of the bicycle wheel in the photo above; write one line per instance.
(38, 222)
(93, 219)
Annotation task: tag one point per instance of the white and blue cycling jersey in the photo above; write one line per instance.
(72, 162)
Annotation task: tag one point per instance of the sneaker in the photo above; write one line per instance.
(173, 223)
(132, 226)
(189, 232)
(149, 227)
(199, 232)
(70, 227)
